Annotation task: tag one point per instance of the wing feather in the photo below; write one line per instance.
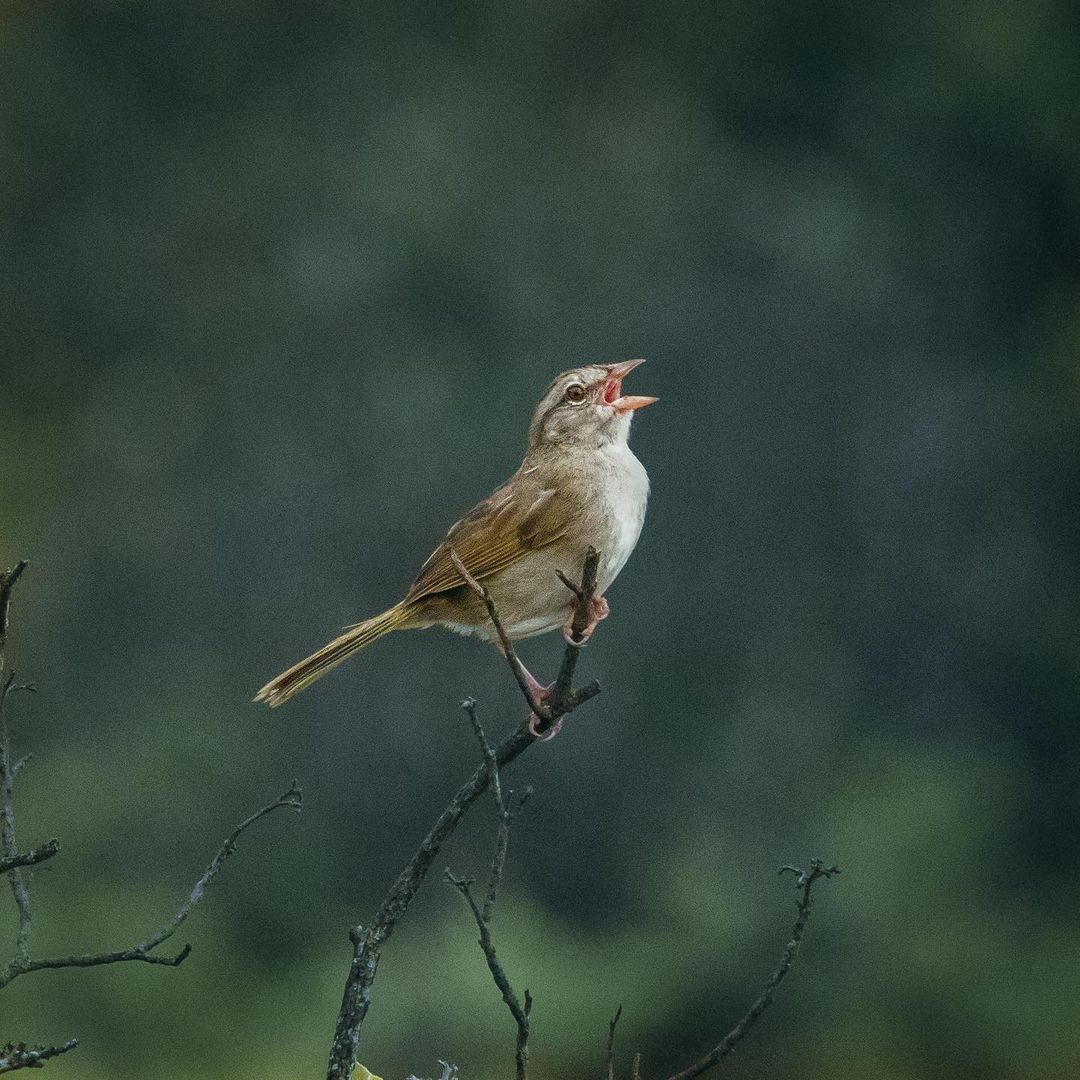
(515, 520)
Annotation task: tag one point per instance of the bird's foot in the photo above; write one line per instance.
(540, 695)
(599, 610)
(545, 735)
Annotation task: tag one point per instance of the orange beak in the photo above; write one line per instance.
(611, 391)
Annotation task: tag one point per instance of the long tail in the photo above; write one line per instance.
(304, 673)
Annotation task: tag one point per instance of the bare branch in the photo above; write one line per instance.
(15, 1056)
(561, 693)
(7, 583)
(585, 593)
(17, 874)
(506, 644)
(143, 951)
(612, 1025)
(368, 941)
(16, 865)
(503, 836)
(31, 857)
(519, 1011)
(805, 880)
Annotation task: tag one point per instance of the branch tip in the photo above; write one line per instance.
(804, 880)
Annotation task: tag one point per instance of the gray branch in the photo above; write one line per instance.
(805, 880)
(368, 942)
(17, 875)
(15, 1056)
(519, 1009)
(16, 865)
(31, 857)
(563, 698)
(143, 952)
(613, 1023)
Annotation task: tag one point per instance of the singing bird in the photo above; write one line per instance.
(580, 486)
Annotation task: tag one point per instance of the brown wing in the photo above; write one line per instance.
(515, 520)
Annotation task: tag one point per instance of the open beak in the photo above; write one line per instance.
(611, 391)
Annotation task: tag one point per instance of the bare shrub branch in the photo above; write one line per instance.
(144, 951)
(805, 881)
(15, 1056)
(18, 876)
(613, 1023)
(31, 857)
(17, 866)
(519, 1008)
(563, 698)
(368, 941)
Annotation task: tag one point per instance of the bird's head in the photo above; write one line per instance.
(586, 406)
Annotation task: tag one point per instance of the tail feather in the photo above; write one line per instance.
(304, 673)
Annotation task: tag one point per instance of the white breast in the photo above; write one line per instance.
(623, 493)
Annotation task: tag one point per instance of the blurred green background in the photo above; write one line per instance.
(280, 286)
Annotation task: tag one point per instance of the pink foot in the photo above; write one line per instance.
(543, 736)
(540, 694)
(600, 611)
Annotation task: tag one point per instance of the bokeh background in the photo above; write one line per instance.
(280, 286)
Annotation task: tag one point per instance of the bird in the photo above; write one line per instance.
(579, 486)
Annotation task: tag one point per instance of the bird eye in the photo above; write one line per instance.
(575, 393)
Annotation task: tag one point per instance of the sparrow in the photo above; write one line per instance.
(579, 486)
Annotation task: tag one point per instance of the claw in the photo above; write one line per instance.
(599, 610)
(543, 736)
(540, 693)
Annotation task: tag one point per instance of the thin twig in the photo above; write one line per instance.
(143, 951)
(585, 593)
(805, 880)
(563, 699)
(503, 836)
(19, 878)
(16, 865)
(368, 942)
(518, 1009)
(505, 643)
(31, 857)
(612, 1025)
(15, 1056)
(7, 583)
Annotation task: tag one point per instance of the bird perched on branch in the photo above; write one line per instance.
(580, 486)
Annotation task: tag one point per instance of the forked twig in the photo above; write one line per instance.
(144, 951)
(563, 698)
(805, 880)
(17, 866)
(519, 1008)
(368, 941)
(505, 643)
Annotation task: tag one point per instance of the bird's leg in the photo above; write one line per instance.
(598, 611)
(539, 694)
